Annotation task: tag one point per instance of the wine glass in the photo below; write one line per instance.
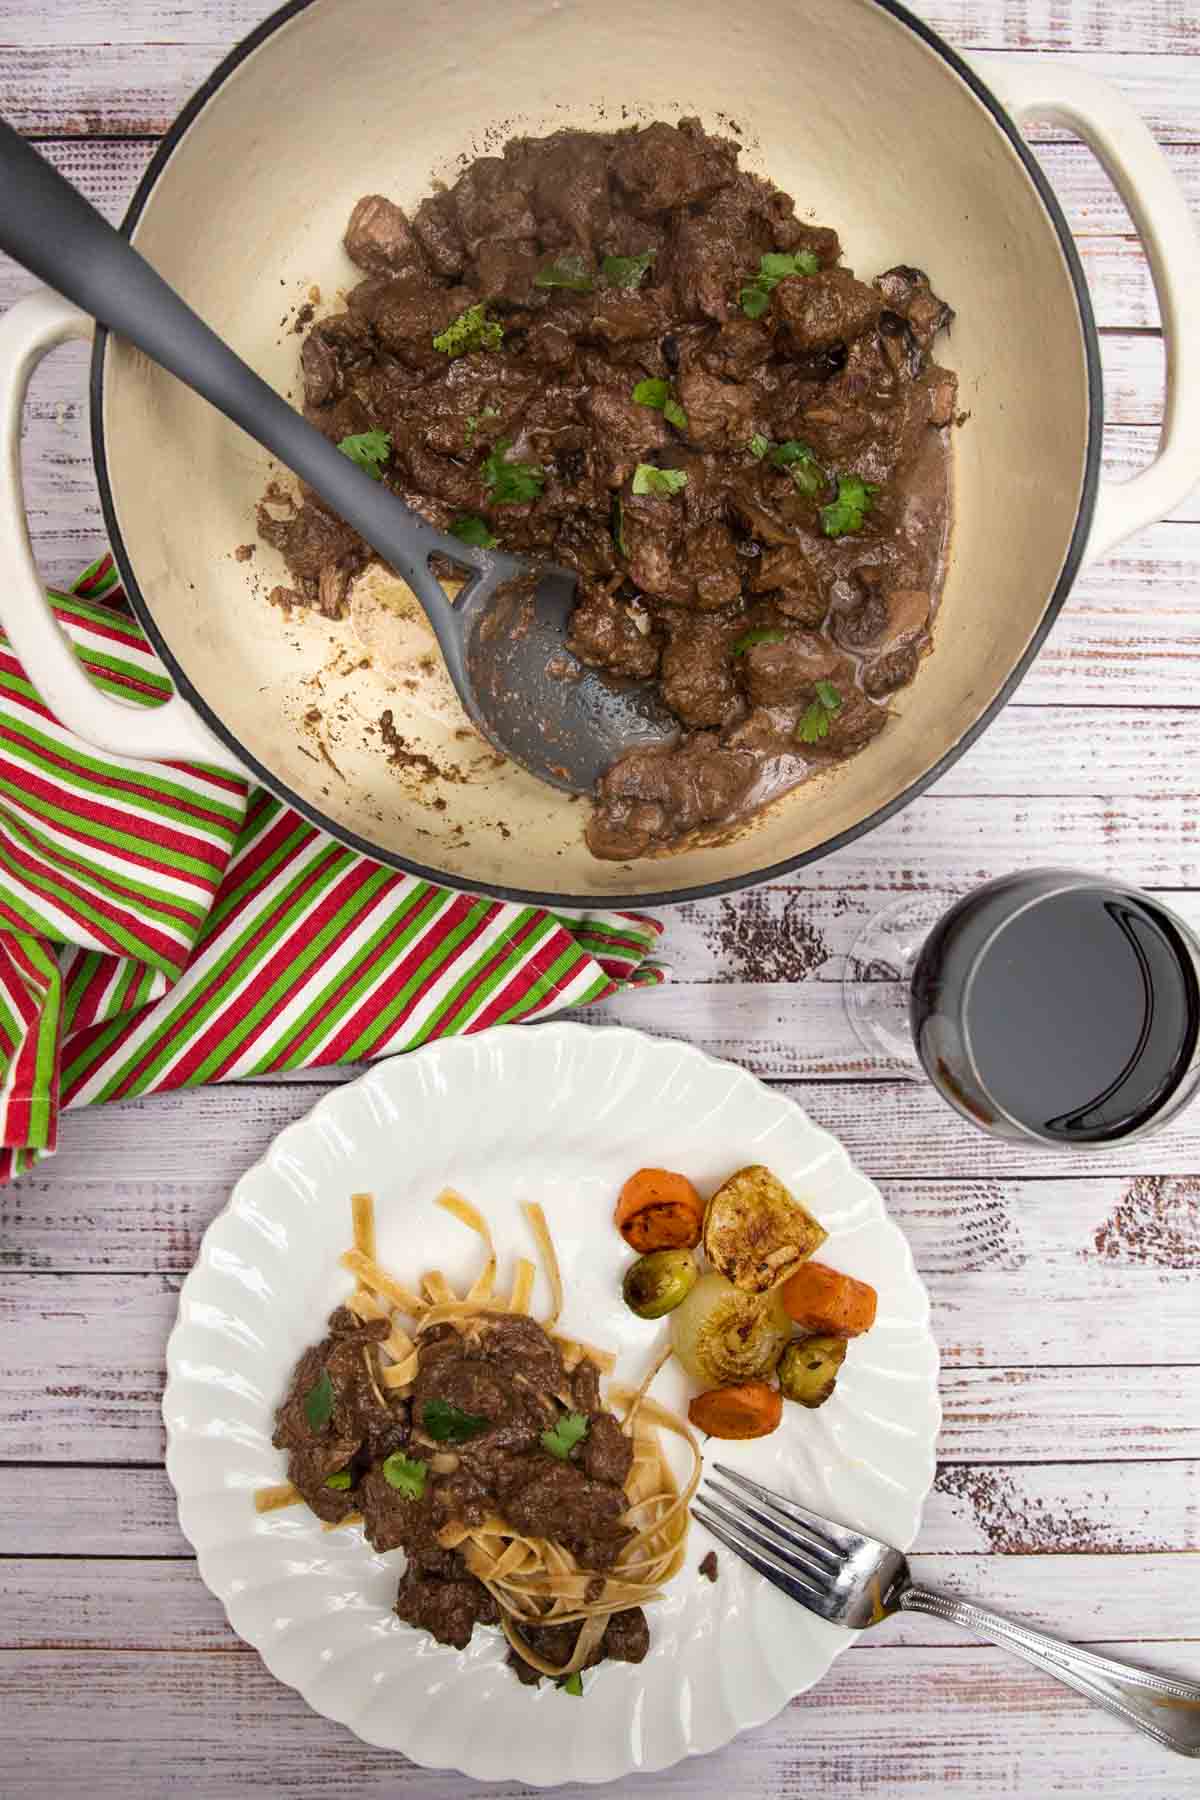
(1049, 1005)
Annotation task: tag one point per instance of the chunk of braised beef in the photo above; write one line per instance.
(380, 239)
(786, 573)
(491, 200)
(448, 1608)
(818, 311)
(606, 1453)
(626, 1636)
(720, 414)
(605, 634)
(895, 669)
(435, 227)
(786, 672)
(665, 167)
(736, 349)
(697, 678)
(907, 291)
(654, 797)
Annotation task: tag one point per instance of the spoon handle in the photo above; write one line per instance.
(47, 225)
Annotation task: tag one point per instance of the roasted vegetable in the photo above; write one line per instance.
(750, 1410)
(808, 1369)
(756, 1233)
(659, 1210)
(657, 1283)
(822, 1300)
(722, 1335)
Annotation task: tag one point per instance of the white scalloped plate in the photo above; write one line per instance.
(558, 1113)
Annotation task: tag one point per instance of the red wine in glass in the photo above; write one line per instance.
(1048, 1005)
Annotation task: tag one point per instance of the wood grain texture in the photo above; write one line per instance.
(975, 1510)
(53, 1603)
(919, 1723)
(84, 1369)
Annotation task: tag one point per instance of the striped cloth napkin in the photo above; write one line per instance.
(163, 925)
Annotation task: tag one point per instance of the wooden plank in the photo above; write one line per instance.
(976, 1510)
(1143, 25)
(1018, 1271)
(86, 82)
(68, 1509)
(83, 1376)
(917, 1721)
(134, 1605)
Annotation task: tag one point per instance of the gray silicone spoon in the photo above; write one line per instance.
(505, 648)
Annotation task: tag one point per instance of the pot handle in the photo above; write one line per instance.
(1047, 88)
(172, 732)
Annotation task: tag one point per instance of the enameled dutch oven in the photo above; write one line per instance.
(853, 106)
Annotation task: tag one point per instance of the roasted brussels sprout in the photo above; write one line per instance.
(808, 1369)
(657, 1283)
(723, 1336)
(756, 1233)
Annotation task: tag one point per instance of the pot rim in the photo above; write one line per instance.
(704, 890)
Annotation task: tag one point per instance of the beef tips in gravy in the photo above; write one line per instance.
(355, 1448)
(621, 351)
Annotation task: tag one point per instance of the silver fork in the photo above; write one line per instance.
(855, 1580)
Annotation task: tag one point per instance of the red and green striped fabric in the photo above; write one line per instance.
(162, 926)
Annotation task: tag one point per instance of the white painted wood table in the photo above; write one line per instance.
(1066, 1292)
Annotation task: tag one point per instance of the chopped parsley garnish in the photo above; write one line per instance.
(341, 1480)
(571, 1684)
(814, 724)
(762, 634)
(471, 529)
(475, 420)
(802, 465)
(759, 445)
(510, 483)
(368, 449)
(571, 1429)
(657, 393)
(407, 1474)
(649, 480)
(566, 272)
(855, 497)
(318, 1402)
(626, 271)
(618, 525)
(772, 269)
(447, 1424)
(472, 330)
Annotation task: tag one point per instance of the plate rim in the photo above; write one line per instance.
(391, 1068)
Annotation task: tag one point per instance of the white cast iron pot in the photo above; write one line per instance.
(854, 107)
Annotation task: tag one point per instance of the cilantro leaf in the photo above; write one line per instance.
(571, 1429)
(475, 420)
(772, 269)
(368, 449)
(407, 1474)
(657, 393)
(618, 525)
(759, 445)
(803, 465)
(855, 497)
(762, 634)
(448, 1424)
(566, 272)
(649, 480)
(510, 483)
(318, 1402)
(571, 1684)
(652, 392)
(814, 724)
(626, 271)
(472, 330)
(471, 529)
(340, 1479)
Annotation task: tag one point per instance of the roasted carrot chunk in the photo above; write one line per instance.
(659, 1210)
(823, 1301)
(750, 1410)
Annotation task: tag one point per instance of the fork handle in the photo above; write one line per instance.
(1163, 1708)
